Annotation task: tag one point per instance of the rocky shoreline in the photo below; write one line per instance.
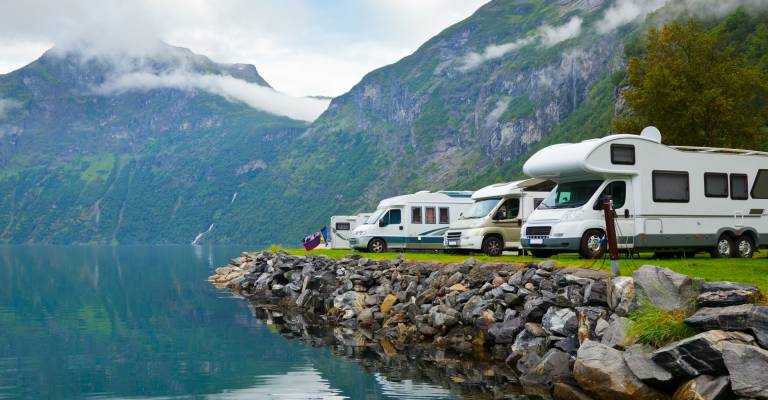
(506, 328)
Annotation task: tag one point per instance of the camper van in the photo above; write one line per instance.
(493, 223)
(413, 221)
(666, 198)
(342, 227)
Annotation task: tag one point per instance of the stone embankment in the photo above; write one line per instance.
(563, 332)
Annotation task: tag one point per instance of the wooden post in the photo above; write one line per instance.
(610, 231)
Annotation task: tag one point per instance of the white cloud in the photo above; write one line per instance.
(256, 96)
(625, 11)
(551, 36)
(6, 106)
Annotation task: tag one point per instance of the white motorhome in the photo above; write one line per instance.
(412, 221)
(667, 198)
(342, 227)
(493, 223)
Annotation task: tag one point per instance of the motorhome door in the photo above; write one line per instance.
(391, 228)
(621, 193)
(508, 218)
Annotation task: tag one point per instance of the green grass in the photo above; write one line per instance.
(656, 327)
(753, 271)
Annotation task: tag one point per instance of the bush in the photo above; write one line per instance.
(656, 327)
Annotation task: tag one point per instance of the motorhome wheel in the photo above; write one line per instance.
(592, 244)
(493, 246)
(377, 246)
(745, 248)
(724, 247)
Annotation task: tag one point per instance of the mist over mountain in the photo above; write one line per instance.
(163, 145)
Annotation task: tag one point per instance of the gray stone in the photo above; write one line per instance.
(548, 265)
(748, 369)
(638, 359)
(567, 344)
(726, 298)
(526, 341)
(564, 391)
(596, 294)
(505, 332)
(664, 288)
(621, 293)
(733, 318)
(616, 334)
(699, 354)
(602, 372)
(534, 309)
(527, 360)
(426, 296)
(535, 329)
(553, 367)
(704, 387)
(570, 278)
(561, 321)
(725, 286)
(512, 300)
(601, 326)
(593, 274)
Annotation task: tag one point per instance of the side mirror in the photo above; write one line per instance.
(382, 223)
(626, 213)
(519, 222)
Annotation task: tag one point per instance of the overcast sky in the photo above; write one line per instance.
(301, 47)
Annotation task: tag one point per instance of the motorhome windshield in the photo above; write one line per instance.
(571, 194)
(375, 216)
(481, 208)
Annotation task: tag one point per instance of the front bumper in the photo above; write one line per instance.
(462, 240)
(359, 242)
(562, 244)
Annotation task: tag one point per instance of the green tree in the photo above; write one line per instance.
(696, 90)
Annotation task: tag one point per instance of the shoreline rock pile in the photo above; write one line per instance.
(563, 330)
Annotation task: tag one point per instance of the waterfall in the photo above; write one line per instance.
(234, 196)
(200, 236)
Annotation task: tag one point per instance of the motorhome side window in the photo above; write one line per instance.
(739, 190)
(393, 217)
(342, 226)
(760, 186)
(536, 202)
(618, 192)
(715, 185)
(416, 215)
(445, 216)
(509, 209)
(623, 154)
(671, 187)
(429, 213)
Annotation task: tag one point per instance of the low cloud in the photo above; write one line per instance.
(625, 11)
(232, 89)
(547, 35)
(6, 106)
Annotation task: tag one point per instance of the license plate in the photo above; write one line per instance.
(453, 243)
(537, 241)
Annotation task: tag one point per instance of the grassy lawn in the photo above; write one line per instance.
(754, 271)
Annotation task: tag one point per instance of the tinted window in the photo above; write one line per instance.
(509, 209)
(617, 191)
(739, 188)
(429, 213)
(416, 215)
(715, 185)
(342, 226)
(670, 187)
(536, 202)
(623, 154)
(445, 217)
(393, 217)
(760, 187)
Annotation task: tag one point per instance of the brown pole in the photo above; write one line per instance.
(610, 231)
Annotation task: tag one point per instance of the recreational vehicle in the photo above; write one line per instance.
(493, 223)
(412, 221)
(342, 227)
(666, 198)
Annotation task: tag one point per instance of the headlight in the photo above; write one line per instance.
(573, 214)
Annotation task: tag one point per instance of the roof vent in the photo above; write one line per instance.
(651, 133)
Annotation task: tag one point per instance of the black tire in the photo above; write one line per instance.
(744, 247)
(542, 253)
(591, 246)
(377, 245)
(724, 248)
(493, 246)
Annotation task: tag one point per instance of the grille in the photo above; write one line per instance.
(453, 235)
(538, 230)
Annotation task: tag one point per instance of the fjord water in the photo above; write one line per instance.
(143, 322)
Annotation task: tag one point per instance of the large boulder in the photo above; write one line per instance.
(704, 387)
(621, 294)
(748, 368)
(616, 334)
(601, 371)
(506, 332)
(664, 288)
(552, 368)
(722, 294)
(732, 318)
(698, 355)
(638, 359)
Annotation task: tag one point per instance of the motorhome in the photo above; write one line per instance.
(666, 198)
(342, 227)
(493, 223)
(412, 221)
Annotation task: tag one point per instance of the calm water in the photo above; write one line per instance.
(142, 322)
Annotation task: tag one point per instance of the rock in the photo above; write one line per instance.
(698, 355)
(704, 387)
(497, 281)
(458, 287)
(621, 293)
(454, 279)
(561, 321)
(733, 318)
(588, 317)
(726, 298)
(535, 329)
(443, 316)
(616, 334)
(596, 294)
(564, 391)
(602, 372)
(761, 335)
(349, 301)
(570, 279)
(567, 344)
(664, 288)
(365, 317)
(505, 332)
(388, 302)
(511, 300)
(548, 265)
(553, 367)
(748, 369)
(601, 326)
(638, 359)
(726, 286)
(593, 274)
(534, 309)
(471, 309)
(426, 296)
(527, 360)
(526, 341)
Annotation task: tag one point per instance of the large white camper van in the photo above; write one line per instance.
(342, 227)
(493, 223)
(666, 197)
(412, 221)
